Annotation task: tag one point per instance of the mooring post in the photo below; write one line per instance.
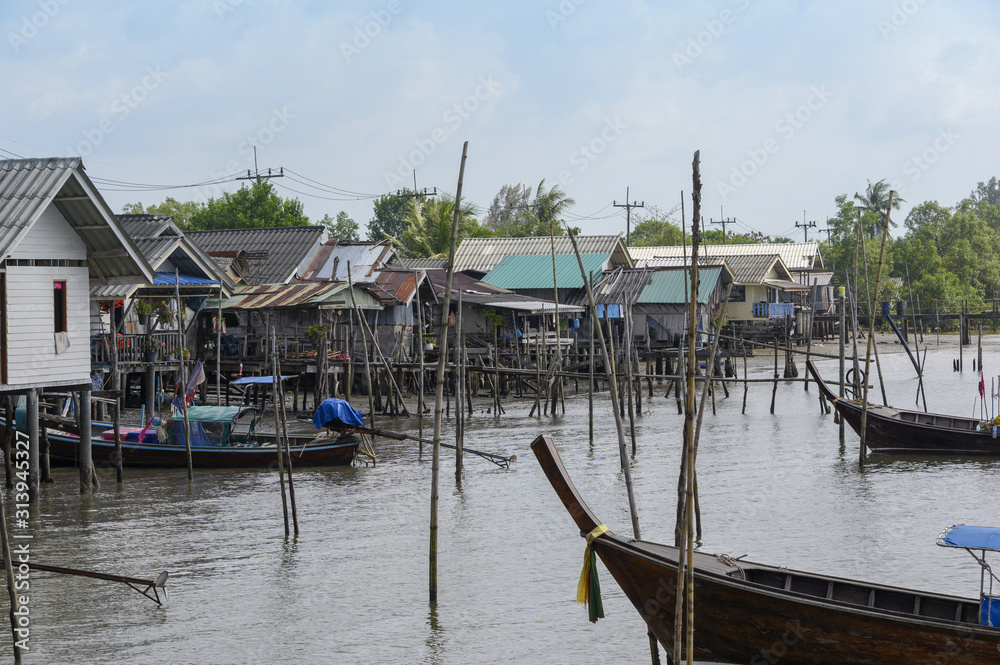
(85, 458)
(843, 332)
(33, 448)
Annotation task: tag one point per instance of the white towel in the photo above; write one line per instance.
(62, 341)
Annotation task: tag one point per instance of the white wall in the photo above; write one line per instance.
(31, 355)
(51, 237)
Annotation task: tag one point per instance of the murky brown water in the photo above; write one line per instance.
(353, 587)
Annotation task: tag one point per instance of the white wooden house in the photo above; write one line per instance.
(57, 237)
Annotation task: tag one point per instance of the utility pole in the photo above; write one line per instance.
(805, 226)
(628, 214)
(257, 175)
(415, 194)
(724, 221)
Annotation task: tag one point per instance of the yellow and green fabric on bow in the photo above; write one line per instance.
(588, 589)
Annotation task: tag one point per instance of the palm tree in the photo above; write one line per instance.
(876, 199)
(549, 205)
(428, 231)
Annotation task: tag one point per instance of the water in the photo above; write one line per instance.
(353, 587)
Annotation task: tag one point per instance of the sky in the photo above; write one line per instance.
(790, 103)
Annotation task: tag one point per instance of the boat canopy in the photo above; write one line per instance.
(334, 411)
(247, 380)
(971, 537)
(212, 414)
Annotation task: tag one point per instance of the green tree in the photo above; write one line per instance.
(927, 221)
(256, 206)
(548, 208)
(656, 228)
(342, 228)
(428, 231)
(389, 216)
(876, 198)
(171, 207)
(510, 213)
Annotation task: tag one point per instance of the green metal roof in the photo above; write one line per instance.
(667, 286)
(535, 272)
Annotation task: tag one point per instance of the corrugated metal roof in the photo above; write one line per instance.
(535, 272)
(298, 294)
(488, 295)
(180, 279)
(364, 258)
(668, 287)
(29, 186)
(796, 255)
(148, 226)
(424, 264)
(396, 287)
(615, 287)
(287, 248)
(484, 254)
(746, 269)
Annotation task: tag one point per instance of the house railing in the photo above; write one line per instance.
(773, 310)
(132, 348)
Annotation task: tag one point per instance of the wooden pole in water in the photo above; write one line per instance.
(284, 437)
(276, 389)
(590, 367)
(420, 381)
(843, 333)
(460, 391)
(916, 338)
(622, 453)
(439, 388)
(218, 349)
(871, 332)
(364, 346)
(15, 606)
(183, 374)
(116, 387)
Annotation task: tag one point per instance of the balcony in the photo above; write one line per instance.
(131, 347)
(773, 310)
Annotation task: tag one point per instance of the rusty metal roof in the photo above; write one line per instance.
(29, 186)
(364, 258)
(298, 294)
(396, 286)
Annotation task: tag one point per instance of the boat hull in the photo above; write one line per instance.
(63, 451)
(904, 432)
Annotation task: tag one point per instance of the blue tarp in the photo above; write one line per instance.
(989, 614)
(972, 537)
(331, 410)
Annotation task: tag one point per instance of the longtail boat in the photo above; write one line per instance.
(221, 437)
(750, 613)
(900, 431)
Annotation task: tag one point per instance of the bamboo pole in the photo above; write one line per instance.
(590, 368)
(420, 382)
(613, 389)
(439, 390)
(116, 387)
(459, 391)
(218, 349)
(15, 606)
(871, 332)
(183, 373)
(842, 336)
(275, 390)
(364, 344)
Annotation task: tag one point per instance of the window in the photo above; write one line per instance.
(739, 293)
(59, 305)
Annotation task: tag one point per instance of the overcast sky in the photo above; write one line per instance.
(790, 103)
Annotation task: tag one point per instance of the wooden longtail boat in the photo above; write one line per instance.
(216, 442)
(753, 614)
(899, 431)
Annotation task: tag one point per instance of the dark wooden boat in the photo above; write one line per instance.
(899, 431)
(754, 614)
(336, 452)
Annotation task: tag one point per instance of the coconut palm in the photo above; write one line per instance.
(549, 205)
(428, 231)
(876, 198)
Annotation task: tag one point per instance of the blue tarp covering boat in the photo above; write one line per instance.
(332, 412)
(971, 537)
